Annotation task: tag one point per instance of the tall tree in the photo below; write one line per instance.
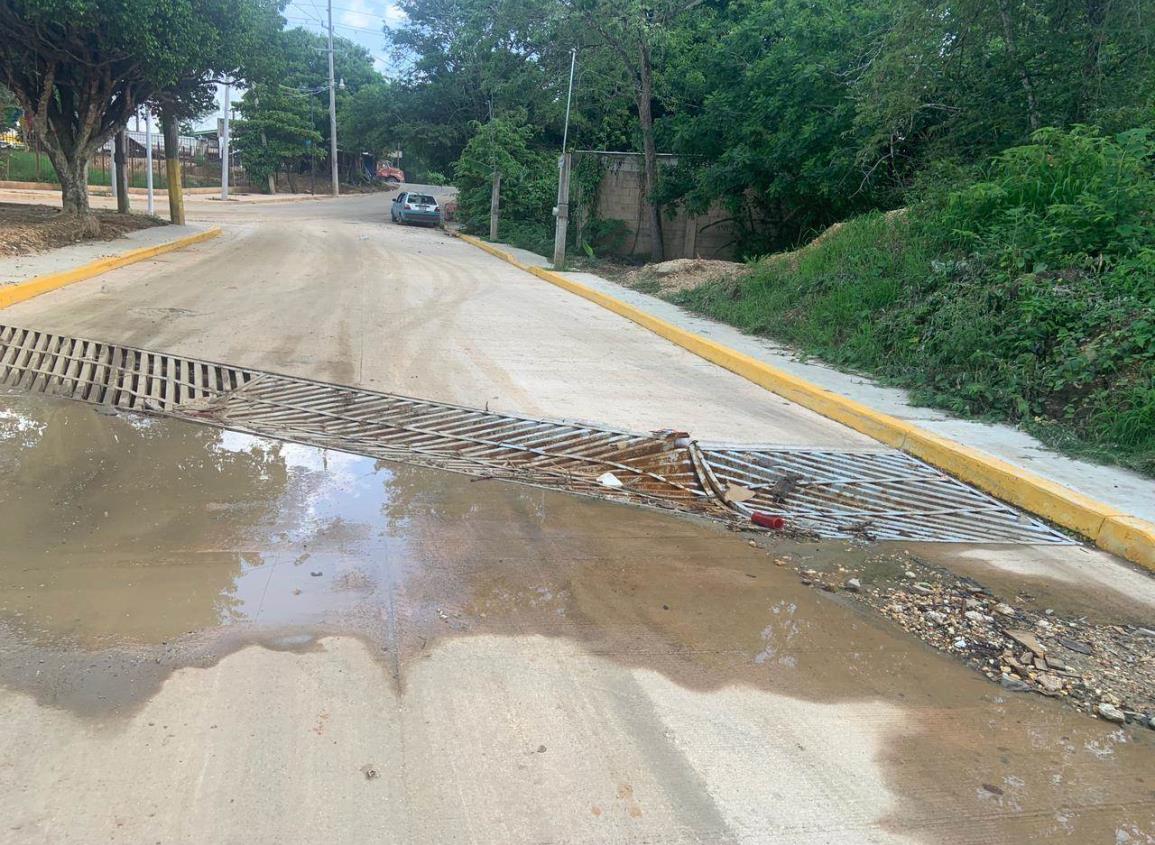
(633, 30)
(276, 130)
(80, 68)
(961, 79)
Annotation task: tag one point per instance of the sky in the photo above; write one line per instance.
(360, 21)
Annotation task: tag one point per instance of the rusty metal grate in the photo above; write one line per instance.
(872, 494)
(109, 374)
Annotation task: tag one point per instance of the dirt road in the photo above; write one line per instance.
(209, 637)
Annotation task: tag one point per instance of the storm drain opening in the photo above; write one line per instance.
(878, 494)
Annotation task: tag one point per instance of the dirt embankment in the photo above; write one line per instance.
(680, 274)
(26, 229)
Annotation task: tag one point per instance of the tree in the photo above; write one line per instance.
(80, 68)
(287, 106)
(471, 60)
(763, 113)
(963, 79)
(275, 131)
(633, 30)
(528, 175)
(9, 109)
(369, 118)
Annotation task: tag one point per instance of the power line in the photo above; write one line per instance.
(337, 25)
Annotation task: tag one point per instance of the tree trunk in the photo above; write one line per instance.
(1096, 15)
(74, 190)
(171, 133)
(272, 181)
(646, 118)
(120, 149)
(1024, 74)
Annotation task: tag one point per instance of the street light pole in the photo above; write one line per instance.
(148, 154)
(563, 166)
(332, 108)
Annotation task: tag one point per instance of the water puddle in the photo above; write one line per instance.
(133, 547)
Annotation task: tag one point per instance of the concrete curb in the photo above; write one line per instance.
(1111, 529)
(11, 294)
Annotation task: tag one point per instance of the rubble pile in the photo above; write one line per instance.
(1105, 670)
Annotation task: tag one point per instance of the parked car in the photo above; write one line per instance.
(409, 207)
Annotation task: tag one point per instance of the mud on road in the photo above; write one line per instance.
(190, 616)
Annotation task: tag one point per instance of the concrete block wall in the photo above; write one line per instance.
(685, 236)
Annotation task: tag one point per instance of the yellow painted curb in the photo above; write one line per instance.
(1111, 529)
(1129, 537)
(11, 294)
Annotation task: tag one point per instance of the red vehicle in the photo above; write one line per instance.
(386, 172)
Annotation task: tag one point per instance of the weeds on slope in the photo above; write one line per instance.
(1024, 291)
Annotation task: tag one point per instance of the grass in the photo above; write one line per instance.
(20, 166)
(1023, 293)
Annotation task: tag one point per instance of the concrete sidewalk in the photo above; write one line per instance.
(1115, 486)
(20, 268)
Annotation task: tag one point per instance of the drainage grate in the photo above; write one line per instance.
(882, 494)
(109, 374)
(877, 495)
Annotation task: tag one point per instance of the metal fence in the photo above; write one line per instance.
(23, 160)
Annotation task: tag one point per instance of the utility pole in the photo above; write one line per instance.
(332, 108)
(563, 165)
(148, 156)
(559, 233)
(225, 148)
(494, 204)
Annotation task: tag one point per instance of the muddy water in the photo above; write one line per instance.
(130, 547)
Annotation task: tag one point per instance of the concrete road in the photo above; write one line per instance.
(207, 637)
(332, 290)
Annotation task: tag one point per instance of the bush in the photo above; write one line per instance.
(1024, 291)
(528, 182)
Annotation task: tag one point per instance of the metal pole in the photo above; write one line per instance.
(332, 108)
(225, 148)
(568, 98)
(112, 172)
(563, 166)
(148, 156)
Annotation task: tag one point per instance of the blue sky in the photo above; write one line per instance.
(358, 20)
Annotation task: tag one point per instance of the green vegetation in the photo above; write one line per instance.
(528, 183)
(1023, 290)
(79, 69)
(793, 114)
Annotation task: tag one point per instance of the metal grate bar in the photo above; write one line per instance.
(876, 494)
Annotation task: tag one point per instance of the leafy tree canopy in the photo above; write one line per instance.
(80, 68)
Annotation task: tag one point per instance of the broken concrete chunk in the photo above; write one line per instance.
(1075, 645)
(738, 493)
(608, 479)
(1027, 640)
(1013, 684)
(1110, 712)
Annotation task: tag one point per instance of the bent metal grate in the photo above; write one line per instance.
(873, 494)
